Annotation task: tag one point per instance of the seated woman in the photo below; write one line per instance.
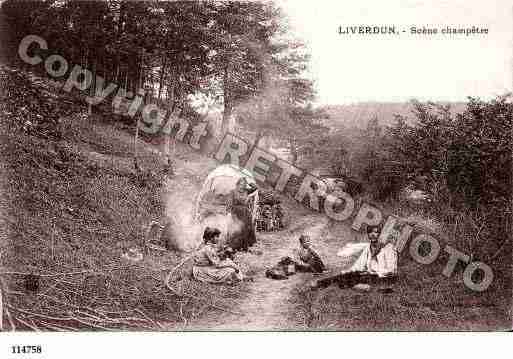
(208, 267)
(377, 264)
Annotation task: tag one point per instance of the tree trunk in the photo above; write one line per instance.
(227, 116)
(293, 151)
(228, 106)
(162, 73)
(259, 136)
(116, 77)
(141, 79)
(172, 88)
(118, 36)
(261, 120)
(136, 144)
(169, 145)
(92, 90)
(139, 83)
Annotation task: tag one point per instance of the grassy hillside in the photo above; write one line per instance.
(422, 299)
(73, 205)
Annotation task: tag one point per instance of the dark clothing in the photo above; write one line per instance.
(350, 279)
(282, 269)
(238, 198)
(375, 248)
(312, 262)
(238, 207)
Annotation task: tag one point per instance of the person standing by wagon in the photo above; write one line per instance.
(238, 206)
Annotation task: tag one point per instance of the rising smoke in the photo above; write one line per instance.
(185, 227)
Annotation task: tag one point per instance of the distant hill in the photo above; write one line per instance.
(357, 115)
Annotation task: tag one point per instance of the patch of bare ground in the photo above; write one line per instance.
(271, 304)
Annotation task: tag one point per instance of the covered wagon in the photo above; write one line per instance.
(228, 200)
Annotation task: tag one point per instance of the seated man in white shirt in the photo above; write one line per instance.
(376, 264)
(377, 258)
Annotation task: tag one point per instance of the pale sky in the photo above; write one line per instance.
(352, 68)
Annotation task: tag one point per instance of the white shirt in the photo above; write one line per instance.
(385, 263)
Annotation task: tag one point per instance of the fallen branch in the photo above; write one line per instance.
(152, 321)
(11, 322)
(40, 315)
(47, 275)
(3, 307)
(1, 310)
(501, 248)
(184, 319)
(92, 325)
(120, 320)
(56, 327)
(33, 327)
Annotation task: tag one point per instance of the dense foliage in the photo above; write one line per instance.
(241, 56)
(231, 52)
(463, 158)
(461, 161)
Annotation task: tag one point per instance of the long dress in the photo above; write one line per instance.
(243, 238)
(209, 268)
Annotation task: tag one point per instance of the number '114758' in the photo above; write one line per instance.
(26, 349)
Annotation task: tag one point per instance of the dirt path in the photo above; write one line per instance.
(268, 304)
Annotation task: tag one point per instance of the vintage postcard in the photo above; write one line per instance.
(283, 165)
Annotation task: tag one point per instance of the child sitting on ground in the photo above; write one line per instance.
(310, 260)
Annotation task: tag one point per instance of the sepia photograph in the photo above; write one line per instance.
(255, 166)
